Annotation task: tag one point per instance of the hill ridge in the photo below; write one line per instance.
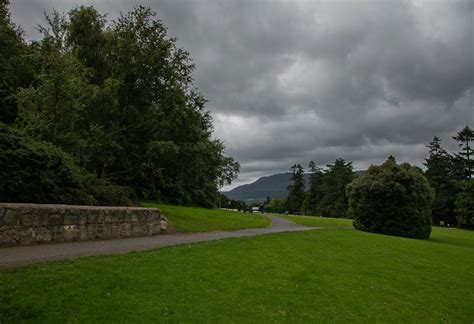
(273, 185)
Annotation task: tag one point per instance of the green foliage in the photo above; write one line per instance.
(296, 194)
(13, 72)
(276, 206)
(37, 171)
(442, 178)
(324, 276)
(118, 98)
(464, 138)
(392, 199)
(333, 202)
(315, 192)
(194, 219)
(325, 222)
(465, 205)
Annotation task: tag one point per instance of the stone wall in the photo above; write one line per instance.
(26, 224)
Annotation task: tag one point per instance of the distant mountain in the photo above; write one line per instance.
(273, 185)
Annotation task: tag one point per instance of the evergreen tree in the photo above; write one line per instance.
(465, 205)
(315, 191)
(464, 138)
(442, 179)
(336, 178)
(296, 193)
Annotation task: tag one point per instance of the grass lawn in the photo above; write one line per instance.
(317, 221)
(194, 219)
(325, 275)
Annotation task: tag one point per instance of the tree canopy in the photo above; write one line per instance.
(296, 189)
(392, 199)
(118, 98)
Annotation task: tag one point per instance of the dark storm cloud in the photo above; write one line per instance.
(294, 81)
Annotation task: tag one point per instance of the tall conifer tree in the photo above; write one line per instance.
(296, 189)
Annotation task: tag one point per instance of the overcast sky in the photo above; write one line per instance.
(294, 81)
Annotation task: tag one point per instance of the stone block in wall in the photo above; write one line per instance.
(7, 238)
(43, 234)
(153, 228)
(83, 219)
(114, 231)
(57, 233)
(139, 229)
(34, 220)
(120, 216)
(91, 231)
(125, 229)
(101, 232)
(26, 236)
(101, 217)
(127, 217)
(71, 219)
(109, 218)
(71, 232)
(92, 217)
(11, 217)
(163, 223)
(55, 219)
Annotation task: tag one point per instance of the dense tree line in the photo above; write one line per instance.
(115, 103)
(326, 195)
(449, 175)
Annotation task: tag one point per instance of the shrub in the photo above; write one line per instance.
(392, 199)
(38, 172)
(465, 205)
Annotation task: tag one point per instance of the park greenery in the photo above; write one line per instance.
(327, 275)
(326, 222)
(104, 112)
(447, 197)
(195, 219)
(392, 199)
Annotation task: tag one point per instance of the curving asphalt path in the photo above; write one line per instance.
(17, 256)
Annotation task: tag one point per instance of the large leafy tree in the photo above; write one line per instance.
(334, 201)
(119, 97)
(14, 68)
(296, 189)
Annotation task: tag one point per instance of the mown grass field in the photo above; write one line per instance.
(194, 219)
(327, 275)
(316, 221)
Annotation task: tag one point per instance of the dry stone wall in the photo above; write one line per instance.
(26, 224)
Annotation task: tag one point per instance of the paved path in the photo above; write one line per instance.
(17, 256)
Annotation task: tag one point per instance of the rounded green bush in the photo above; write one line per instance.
(392, 199)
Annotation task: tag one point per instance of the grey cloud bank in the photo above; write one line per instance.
(292, 81)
